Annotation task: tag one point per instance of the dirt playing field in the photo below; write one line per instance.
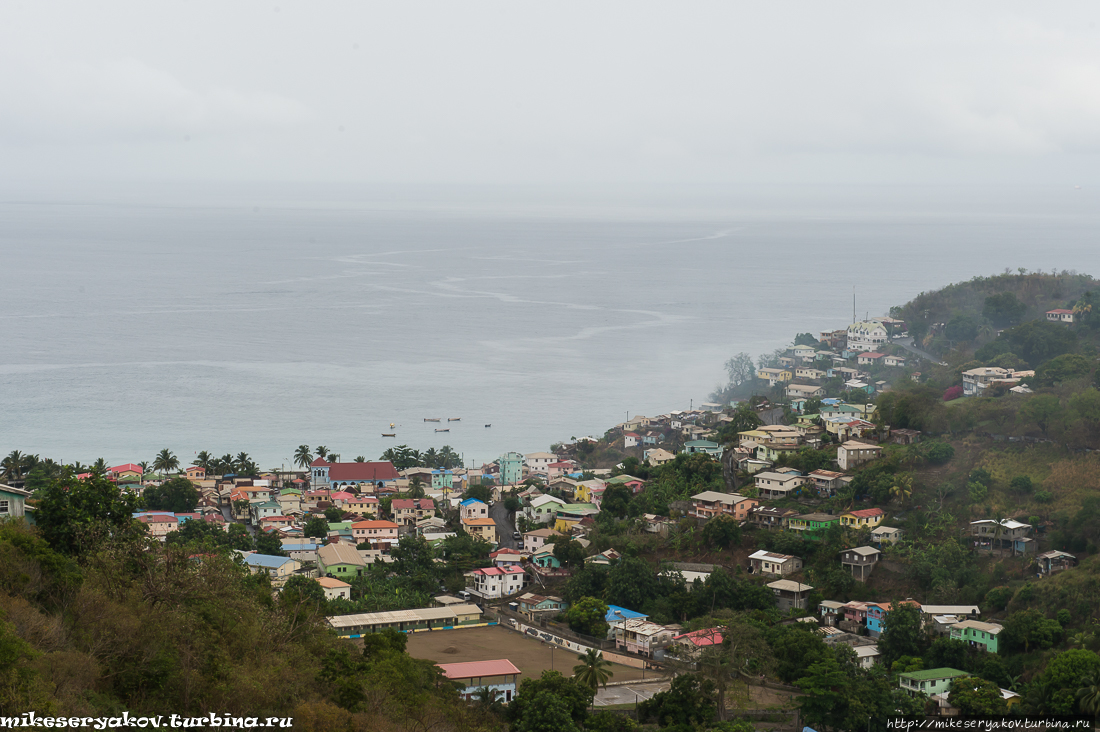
(531, 656)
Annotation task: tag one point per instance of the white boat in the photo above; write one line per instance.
(443, 430)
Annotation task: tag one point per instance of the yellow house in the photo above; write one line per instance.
(483, 528)
(361, 505)
(565, 524)
(774, 376)
(867, 518)
(583, 490)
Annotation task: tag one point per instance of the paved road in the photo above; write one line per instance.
(907, 344)
(505, 527)
(628, 693)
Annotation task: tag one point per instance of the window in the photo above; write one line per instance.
(4, 507)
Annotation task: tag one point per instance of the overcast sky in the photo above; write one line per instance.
(560, 92)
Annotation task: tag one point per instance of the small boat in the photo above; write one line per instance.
(488, 425)
(443, 430)
(392, 425)
(429, 419)
(454, 419)
(389, 434)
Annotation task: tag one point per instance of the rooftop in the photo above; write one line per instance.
(933, 673)
(478, 669)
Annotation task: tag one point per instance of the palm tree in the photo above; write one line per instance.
(322, 452)
(416, 487)
(302, 456)
(12, 465)
(488, 698)
(902, 488)
(144, 465)
(99, 467)
(224, 464)
(165, 461)
(1088, 696)
(203, 460)
(333, 457)
(592, 671)
(360, 459)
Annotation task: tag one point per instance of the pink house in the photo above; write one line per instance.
(159, 524)
(276, 521)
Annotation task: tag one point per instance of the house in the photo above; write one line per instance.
(539, 462)
(777, 565)
(472, 508)
(604, 559)
(1060, 315)
(495, 582)
(774, 376)
(511, 468)
(500, 676)
(790, 595)
(380, 535)
(505, 557)
(1055, 561)
(407, 511)
(259, 510)
(361, 476)
(339, 560)
(894, 361)
(852, 454)
(687, 646)
(585, 490)
(13, 502)
(772, 485)
(770, 517)
(572, 514)
(407, 621)
(303, 551)
(709, 504)
(905, 437)
(129, 473)
(809, 372)
(865, 518)
(616, 616)
(545, 559)
(977, 380)
(831, 612)
(803, 391)
(886, 535)
(867, 656)
(359, 505)
(657, 456)
(828, 482)
(870, 358)
(334, 588)
(194, 472)
(481, 528)
(638, 635)
(866, 336)
(543, 509)
(630, 439)
(443, 480)
(929, 682)
(812, 524)
(977, 634)
(627, 481)
(160, 524)
(860, 561)
(704, 446)
(279, 569)
(535, 540)
(993, 535)
(534, 606)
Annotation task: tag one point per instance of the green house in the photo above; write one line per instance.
(929, 682)
(976, 633)
(13, 503)
(812, 525)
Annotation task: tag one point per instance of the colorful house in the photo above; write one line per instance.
(865, 518)
(13, 501)
(929, 682)
(977, 634)
(812, 525)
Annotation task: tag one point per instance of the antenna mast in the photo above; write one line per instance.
(853, 303)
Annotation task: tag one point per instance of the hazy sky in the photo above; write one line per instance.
(573, 92)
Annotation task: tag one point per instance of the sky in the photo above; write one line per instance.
(571, 93)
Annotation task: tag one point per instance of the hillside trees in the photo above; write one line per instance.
(74, 516)
(177, 495)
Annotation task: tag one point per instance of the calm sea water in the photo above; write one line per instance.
(259, 322)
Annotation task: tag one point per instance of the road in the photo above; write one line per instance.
(505, 527)
(907, 344)
(628, 693)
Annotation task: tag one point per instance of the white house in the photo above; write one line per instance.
(495, 582)
(866, 336)
(539, 462)
(500, 676)
(853, 453)
(472, 508)
(536, 540)
(334, 588)
(543, 509)
(1061, 315)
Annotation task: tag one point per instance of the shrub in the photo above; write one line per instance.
(952, 393)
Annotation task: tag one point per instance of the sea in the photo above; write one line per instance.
(260, 318)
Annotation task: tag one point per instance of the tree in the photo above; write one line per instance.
(177, 495)
(198, 532)
(303, 457)
(416, 487)
(1062, 368)
(570, 553)
(961, 328)
(268, 543)
(333, 514)
(902, 633)
(304, 588)
(611, 722)
(165, 461)
(592, 671)
(482, 493)
(322, 452)
(690, 701)
(740, 369)
(1088, 696)
(938, 452)
(616, 501)
(239, 538)
(588, 616)
(743, 654)
(722, 531)
(1003, 309)
(806, 339)
(75, 515)
(631, 582)
(316, 527)
(1063, 678)
(203, 460)
(795, 647)
(12, 466)
(566, 694)
(1041, 409)
(1030, 627)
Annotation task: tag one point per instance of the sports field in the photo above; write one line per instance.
(531, 656)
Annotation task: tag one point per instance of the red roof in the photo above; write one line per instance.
(510, 569)
(374, 525)
(478, 669)
(1060, 311)
(408, 503)
(157, 519)
(358, 471)
(128, 467)
(705, 637)
(867, 513)
(876, 354)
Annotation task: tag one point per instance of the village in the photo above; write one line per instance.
(533, 519)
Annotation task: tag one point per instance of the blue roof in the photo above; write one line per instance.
(468, 501)
(830, 401)
(265, 560)
(616, 613)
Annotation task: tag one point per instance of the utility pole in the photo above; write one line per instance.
(853, 303)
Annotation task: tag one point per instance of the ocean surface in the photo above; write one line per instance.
(259, 320)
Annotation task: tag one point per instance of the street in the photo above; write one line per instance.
(504, 527)
(628, 693)
(907, 344)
